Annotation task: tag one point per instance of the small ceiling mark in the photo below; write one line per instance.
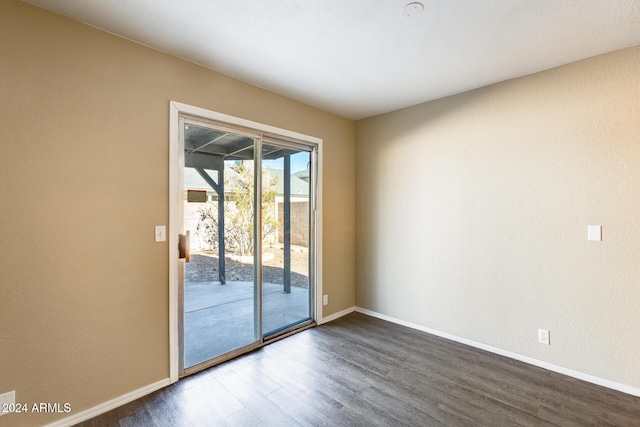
(412, 10)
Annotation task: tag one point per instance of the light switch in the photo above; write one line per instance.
(161, 233)
(594, 232)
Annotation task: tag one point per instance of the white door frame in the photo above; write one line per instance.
(176, 161)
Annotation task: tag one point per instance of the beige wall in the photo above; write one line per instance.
(84, 178)
(472, 215)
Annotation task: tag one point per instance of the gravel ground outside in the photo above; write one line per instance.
(204, 268)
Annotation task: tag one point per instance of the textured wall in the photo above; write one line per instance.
(472, 215)
(84, 178)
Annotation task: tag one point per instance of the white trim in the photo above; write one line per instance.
(237, 121)
(175, 109)
(318, 236)
(337, 315)
(174, 229)
(526, 359)
(112, 404)
(141, 392)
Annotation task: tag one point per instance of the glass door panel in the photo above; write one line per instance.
(286, 231)
(219, 290)
(247, 208)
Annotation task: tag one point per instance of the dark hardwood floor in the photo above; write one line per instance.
(362, 371)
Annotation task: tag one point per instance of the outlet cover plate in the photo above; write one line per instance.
(543, 336)
(7, 399)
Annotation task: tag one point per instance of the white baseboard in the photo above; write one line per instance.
(112, 404)
(526, 359)
(337, 315)
(141, 392)
(136, 394)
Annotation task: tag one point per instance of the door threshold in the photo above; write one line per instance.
(220, 359)
(244, 350)
(289, 331)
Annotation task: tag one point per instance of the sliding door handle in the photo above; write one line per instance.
(184, 250)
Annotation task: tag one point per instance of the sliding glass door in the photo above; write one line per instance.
(220, 291)
(247, 241)
(286, 213)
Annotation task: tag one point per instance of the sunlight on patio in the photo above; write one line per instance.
(219, 318)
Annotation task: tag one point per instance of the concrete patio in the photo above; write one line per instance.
(219, 318)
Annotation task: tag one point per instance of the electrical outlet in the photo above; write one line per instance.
(325, 299)
(543, 336)
(7, 400)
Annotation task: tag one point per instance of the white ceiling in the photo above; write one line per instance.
(358, 58)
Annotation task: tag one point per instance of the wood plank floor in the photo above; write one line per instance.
(362, 371)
